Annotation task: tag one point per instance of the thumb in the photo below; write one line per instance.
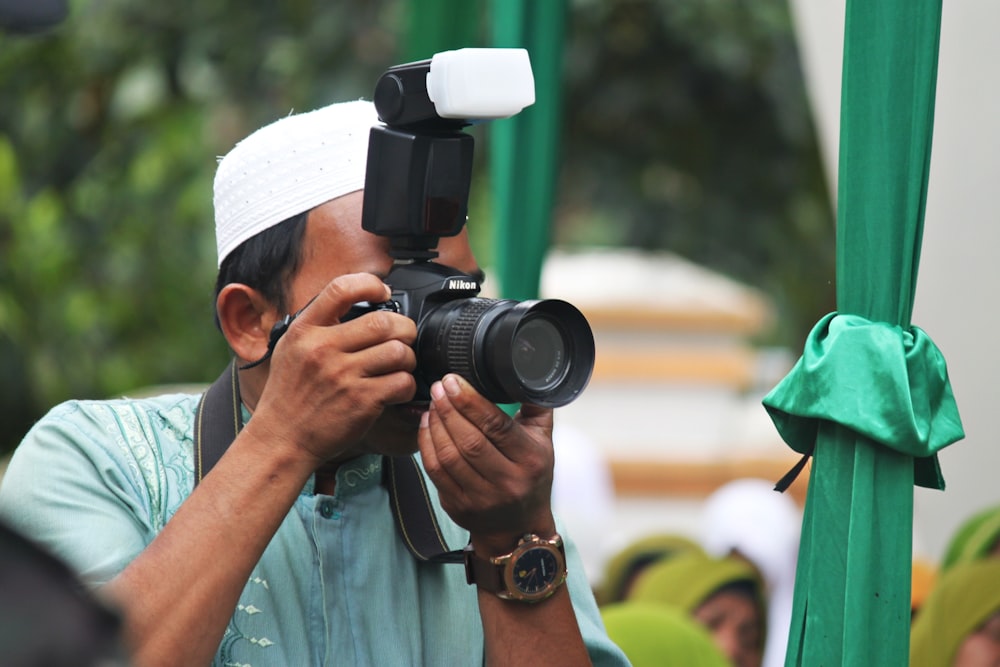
(535, 416)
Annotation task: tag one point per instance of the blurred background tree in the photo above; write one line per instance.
(686, 128)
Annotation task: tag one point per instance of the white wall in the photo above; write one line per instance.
(959, 272)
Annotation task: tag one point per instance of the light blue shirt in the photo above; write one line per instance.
(95, 481)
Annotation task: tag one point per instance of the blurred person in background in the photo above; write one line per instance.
(656, 635)
(726, 595)
(958, 624)
(583, 494)
(747, 518)
(622, 569)
(977, 537)
(47, 617)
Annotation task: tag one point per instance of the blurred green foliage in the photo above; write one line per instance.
(686, 128)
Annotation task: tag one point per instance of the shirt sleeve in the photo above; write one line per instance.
(74, 486)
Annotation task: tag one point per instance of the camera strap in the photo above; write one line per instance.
(218, 420)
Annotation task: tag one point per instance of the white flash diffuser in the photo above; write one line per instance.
(480, 83)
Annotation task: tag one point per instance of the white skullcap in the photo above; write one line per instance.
(289, 167)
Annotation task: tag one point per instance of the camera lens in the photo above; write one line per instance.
(539, 352)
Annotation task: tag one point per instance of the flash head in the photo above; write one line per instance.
(419, 166)
(454, 88)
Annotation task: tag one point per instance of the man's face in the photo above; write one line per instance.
(334, 245)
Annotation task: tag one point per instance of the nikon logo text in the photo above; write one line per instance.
(457, 283)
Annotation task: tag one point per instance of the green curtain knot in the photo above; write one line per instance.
(885, 383)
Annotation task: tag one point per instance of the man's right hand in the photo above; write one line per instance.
(328, 381)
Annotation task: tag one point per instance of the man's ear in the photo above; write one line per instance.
(246, 318)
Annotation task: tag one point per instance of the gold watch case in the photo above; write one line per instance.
(532, 572)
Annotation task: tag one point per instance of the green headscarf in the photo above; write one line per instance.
(961, 600)
(622, 566)
(975, 538)
(688, 579)
(653, 635)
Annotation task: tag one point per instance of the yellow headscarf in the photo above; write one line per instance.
(688, 579)
(622, 566)
(961, 600)
(974, 538)
(653, 635)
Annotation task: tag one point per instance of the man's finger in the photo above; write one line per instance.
(470, 424)
(442, 478)
(340, 294)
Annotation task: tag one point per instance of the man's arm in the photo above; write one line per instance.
(326, 384)
(180, 592)
(494, 477)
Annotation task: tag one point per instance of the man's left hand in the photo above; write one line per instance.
(493, 472)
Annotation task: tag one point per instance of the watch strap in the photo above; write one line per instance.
(484, 573)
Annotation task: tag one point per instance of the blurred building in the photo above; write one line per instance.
(674, 405)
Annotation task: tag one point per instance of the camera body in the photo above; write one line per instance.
(417, 185)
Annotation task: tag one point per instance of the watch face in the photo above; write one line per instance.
(535, 571)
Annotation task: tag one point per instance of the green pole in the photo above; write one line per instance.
(524, 149)
(870, 397)
(440, 25)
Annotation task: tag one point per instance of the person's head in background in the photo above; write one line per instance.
(47, 616)
(654, 635)
(747, 518)
(977, 537)
(622, 568)
(723, 594)
(959, 623)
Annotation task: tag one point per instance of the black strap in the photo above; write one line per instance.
(786, 481)
(414, 513)
(219, 420)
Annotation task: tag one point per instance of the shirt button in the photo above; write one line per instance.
(326, 509)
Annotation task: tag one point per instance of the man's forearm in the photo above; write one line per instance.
(543, 633)
(178, 595)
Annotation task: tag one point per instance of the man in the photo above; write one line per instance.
(286, 553)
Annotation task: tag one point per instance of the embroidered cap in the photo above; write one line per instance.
(288, 167)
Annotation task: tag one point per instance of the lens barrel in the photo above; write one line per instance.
(539, 352)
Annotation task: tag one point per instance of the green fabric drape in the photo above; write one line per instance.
(871, 392)
(523, 152)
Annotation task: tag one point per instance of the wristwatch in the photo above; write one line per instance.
(530, 573)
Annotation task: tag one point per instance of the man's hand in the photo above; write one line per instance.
(494, 477)
(329, 381)
(493, 472)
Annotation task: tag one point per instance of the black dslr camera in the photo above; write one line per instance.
(417, 190)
